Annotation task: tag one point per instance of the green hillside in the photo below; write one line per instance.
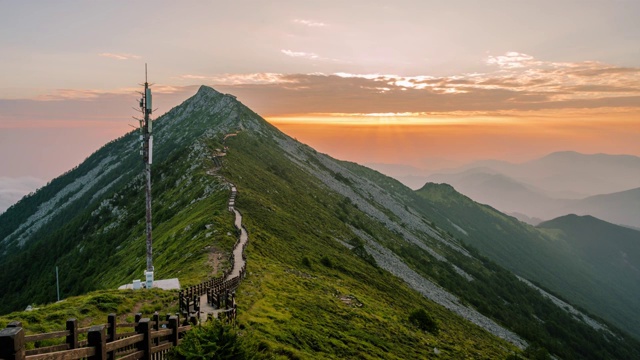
(580, 261)
(341, 261)
(611, 250)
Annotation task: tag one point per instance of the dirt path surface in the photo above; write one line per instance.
(238, 259)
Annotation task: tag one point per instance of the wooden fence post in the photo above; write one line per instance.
(146, 344)
(97, 339)
(111, 334)
(72, 338)
(14, 324)
(111, 330)
(138, 317)
(156, 327)
(173, 325)
(12, 343)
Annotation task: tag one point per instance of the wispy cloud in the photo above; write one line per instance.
(309, 23)
(70, 94)
(311, 56)
(512, 60)
(300, 54)
(120, 56)
(93, 94)
(239, 79)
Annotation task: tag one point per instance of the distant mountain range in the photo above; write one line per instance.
(605, 186)
(569, 174)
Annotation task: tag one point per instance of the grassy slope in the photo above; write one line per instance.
(294, 310)
(553, 260)
(97, 250)
(521, 246)
(91, 309)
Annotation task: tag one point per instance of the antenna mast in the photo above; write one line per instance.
(147, 155)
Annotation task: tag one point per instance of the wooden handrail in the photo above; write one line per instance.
(161, 333)
(64, 355)
(48, 349)
(119, 344)
(45, 336)
(127, 334)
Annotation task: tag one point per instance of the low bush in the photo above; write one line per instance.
(423, 321)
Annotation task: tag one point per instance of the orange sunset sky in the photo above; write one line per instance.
(430, 84)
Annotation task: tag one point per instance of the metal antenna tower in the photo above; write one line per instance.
(147, 156)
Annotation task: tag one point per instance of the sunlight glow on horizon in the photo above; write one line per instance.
(409, 138)
(385, 119)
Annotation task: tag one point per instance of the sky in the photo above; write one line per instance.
(424, 83)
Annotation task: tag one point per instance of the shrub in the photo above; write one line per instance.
(326, 261)
(423, 321)
(213, 340)
(306, 262)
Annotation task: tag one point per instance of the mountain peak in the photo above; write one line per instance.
(207, 94)
(204, 89)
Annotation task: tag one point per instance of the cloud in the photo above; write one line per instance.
(511, 60)
(309, 23)
(69, 94)
(120, 56)
(94, 94)
(521, 83)
(311, 56)
(300, 54)
(238, 79)
(513, 82)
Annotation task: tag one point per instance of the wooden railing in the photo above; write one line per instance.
(151, 339)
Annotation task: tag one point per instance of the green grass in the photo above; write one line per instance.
(100, 250)
(91, 309)
(293, 308)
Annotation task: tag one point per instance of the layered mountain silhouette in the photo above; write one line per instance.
(605, 186)
(553, 253)
(340, 255)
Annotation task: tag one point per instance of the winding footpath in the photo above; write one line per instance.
(238, 251)
(238, 258)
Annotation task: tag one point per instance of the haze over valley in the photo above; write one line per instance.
(561, 183)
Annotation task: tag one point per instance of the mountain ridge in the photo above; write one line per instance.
(355, 227)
